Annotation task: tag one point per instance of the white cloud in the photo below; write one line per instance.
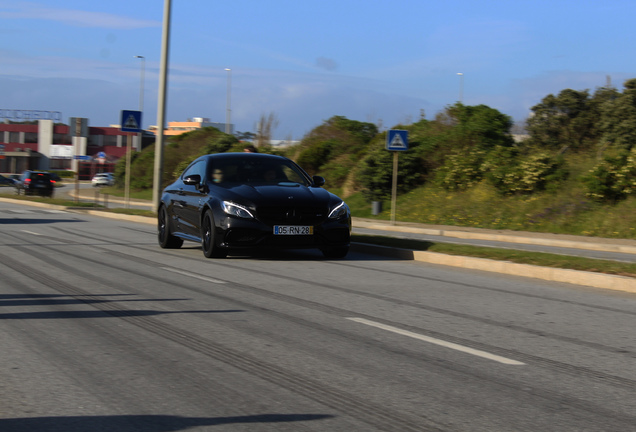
(72, 17)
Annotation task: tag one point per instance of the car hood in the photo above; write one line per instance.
(282, 194)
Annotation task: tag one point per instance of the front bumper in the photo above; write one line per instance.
(236, 233)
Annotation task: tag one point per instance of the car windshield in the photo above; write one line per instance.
(255, 171)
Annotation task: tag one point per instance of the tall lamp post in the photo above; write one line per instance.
(161, 104)
(461, 86)
(139, 134)
(228, 110)
(141, 84)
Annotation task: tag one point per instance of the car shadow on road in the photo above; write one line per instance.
(143, 423)
(120, 313)
(103, 308)
(27, 221)
(358, 252)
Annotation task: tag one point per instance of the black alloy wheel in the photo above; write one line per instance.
(166, 239)
(210, 249)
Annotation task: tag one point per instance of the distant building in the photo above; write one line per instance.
(48, 146)
(283, 143)
(178, 128)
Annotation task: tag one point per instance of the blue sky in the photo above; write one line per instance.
(379, 61)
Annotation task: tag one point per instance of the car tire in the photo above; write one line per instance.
(166, 239)
(208, 241)
(336, 252)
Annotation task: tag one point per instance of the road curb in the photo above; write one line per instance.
(577, 277)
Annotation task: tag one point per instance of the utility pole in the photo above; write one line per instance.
(161, 108)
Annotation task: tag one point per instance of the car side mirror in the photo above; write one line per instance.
(318, 181)
(193, 179)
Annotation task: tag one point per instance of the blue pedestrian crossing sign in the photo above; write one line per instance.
(397, 140)
(130, 121)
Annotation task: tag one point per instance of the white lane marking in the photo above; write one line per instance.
(31, 232)
(440, 342)
(185, 273)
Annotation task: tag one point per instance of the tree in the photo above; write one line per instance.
(266, 125)
(245, 136)
(376, 172)
(336, 146)
(618, 118)
(568, 120)
(470, 134)
(476, 127)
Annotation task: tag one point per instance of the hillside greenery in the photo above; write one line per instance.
(575, 171)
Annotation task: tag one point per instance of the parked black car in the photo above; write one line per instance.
(5, 181)
(35, 183)
(233, 201)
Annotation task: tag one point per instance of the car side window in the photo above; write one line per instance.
(196, 168)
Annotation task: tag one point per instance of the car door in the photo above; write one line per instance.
(191, 197)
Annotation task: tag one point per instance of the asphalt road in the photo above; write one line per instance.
(104, 331)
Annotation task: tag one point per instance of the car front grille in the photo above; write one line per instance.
(291, 215)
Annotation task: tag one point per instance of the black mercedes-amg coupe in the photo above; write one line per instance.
(240, 201)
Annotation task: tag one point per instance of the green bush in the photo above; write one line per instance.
(312, 158)
(376, 172)
(461, 170)
(613, 179)
(512, 172)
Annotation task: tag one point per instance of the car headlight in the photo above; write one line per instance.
(236, 210)
(339, 211)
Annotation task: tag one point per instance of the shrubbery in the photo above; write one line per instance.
(613, 179)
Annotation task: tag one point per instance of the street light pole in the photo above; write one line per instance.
(228, 113)
(161, 105)
(461, 86)
(141, 84)
(129, 144)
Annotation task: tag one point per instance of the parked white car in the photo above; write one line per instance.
(103, 179)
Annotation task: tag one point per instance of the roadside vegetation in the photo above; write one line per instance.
(573, 171)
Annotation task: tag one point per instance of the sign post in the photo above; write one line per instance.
(396, 141)
(78, 134)
(130, 122)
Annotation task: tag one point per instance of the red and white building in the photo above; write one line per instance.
(46, 145)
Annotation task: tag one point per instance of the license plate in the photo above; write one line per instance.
(293, 230)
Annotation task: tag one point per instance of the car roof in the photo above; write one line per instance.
(242, 155)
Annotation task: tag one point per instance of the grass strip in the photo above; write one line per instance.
(520, 257)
